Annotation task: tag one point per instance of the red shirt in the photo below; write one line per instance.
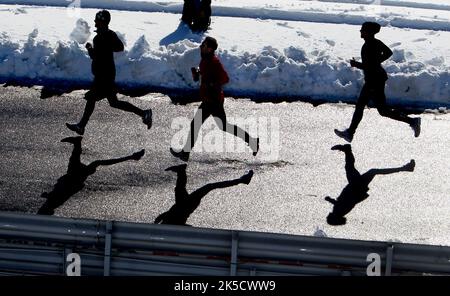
(213, 76)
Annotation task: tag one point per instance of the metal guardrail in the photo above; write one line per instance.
(39, 245)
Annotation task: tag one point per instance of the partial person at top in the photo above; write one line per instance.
(197, 14)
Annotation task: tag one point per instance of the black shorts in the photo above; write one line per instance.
(100, 89)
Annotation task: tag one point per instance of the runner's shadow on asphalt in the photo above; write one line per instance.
(185, 203)
(181, 32)
(49, 89)
(52, 91)
(358, 185)
(77, 173)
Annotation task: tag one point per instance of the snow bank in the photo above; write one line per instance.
(425, 4)
(291, 72)
(270, 58)
(81, 33)
(38, 60)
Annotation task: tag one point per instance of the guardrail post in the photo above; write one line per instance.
(66, 252)
(234, 249)
(107, 262)
(389, 257)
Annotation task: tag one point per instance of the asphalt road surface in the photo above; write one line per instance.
(294, 171)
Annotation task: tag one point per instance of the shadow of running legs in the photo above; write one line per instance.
(358, 185)
(185, 203)
(77, 173)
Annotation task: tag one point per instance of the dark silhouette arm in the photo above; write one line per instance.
(382, 54)
(91, 50)
(356, 64)
(330, 200)
(117, 44)
(386, 52)
(160, 217)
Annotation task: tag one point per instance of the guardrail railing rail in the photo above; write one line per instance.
(39, 245)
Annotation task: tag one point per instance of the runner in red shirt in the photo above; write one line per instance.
(213, 77)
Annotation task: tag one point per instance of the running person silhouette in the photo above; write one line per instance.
(373, 53)
(213, 76)
(106, 43)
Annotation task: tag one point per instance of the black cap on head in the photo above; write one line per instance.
(211, 42)
(371, 27)
(103, 16)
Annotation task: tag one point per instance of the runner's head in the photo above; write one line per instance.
(102, 19)
(369, 29)
(208, 46)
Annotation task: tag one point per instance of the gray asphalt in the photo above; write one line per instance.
(286, 194)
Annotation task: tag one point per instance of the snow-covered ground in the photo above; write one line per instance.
(287, 48)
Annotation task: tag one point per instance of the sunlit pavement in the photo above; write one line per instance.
(294, 170)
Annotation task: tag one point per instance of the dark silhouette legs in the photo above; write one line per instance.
(185, 203)
(107, 162)
(221, 120)
(113, 102)
(77, 173)
(88, 110)
(350, 170)
(75, 158)
(197, 15)
(203, 191)
(188, 12)
(218, 112)
(370, 174)
(93, 96)
(125, 106)
(375, 91)
(180, 187)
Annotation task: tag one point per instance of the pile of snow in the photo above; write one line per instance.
(272, 58)
(81, 32)
(319, 232)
